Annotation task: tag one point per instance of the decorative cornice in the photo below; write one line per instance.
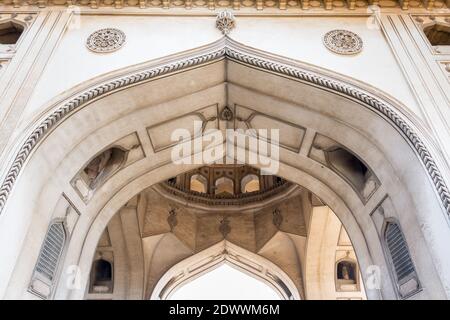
(227, 48)
(281, 5)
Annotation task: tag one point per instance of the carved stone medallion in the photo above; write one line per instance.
(343, 42)
(225, 22)
(106, 40)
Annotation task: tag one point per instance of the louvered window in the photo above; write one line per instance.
(398, 249)
(51, 251)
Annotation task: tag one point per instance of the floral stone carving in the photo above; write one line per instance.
(343, 42)
(106, 40)
(225, 22)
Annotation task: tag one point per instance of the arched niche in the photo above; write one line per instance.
(102, 166)
(438, 34)
(347, 275)
(198, 183)
(102, 280)
(250, 183)
(224, 186)
(254, 81)
(10, 32)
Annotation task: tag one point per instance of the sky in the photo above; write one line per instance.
(225, 283)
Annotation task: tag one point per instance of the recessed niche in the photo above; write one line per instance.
(436, 31)
(105, 164)
(346, 275)
(10, 32)
(101, 277)
(224, 186)
(438, 34)
(198, 183)
(250, 183)
(346, 164)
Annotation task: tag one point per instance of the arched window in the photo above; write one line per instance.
(400, 258)
(101, 277)
(46, 269)
(224, 185)
(250, 183)
(10, 32)
(102, 166)
(198, 183)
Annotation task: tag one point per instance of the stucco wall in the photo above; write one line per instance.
(153, 37)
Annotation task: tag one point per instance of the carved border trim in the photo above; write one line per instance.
(368, 100)
(227, 49)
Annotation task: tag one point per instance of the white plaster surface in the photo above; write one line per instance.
(153, 37)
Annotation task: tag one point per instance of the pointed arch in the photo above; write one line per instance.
(225, 252)
(430, 207)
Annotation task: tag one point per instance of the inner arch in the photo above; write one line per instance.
(225, 283)
(310, 104)
(282, 234)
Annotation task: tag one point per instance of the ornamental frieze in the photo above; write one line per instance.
(281, 5)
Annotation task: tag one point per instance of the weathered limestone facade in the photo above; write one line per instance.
(92, 205)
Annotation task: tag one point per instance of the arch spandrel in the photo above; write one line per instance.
(97, 117)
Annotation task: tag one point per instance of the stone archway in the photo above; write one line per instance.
(225, 252)
(129, 109)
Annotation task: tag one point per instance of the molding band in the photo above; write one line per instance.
(225, 48)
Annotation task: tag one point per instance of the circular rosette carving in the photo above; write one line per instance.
(343, 42)
(106, 40)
